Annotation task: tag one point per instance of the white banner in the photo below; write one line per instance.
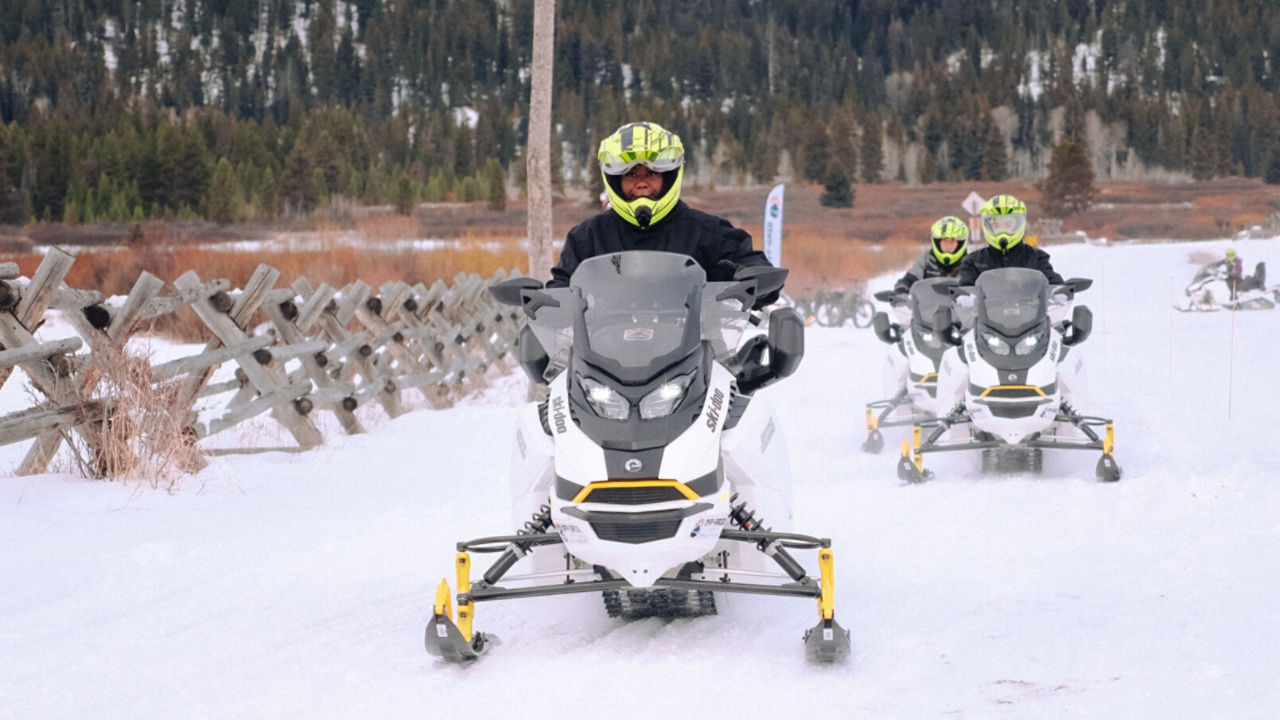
(773, 225)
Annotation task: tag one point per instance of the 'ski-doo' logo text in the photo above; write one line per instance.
(713, 412)
(558, 415)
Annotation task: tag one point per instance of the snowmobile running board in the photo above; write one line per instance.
(456, 642)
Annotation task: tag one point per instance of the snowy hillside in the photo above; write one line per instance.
(298, 585)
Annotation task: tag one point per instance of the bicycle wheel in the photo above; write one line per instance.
(830, 315)
(863, 312)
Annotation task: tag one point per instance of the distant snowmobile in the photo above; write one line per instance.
(911, 365)
(1013, 379)
(1209, 290)
(646, 467)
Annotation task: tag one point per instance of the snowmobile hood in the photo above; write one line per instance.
(1012, 300)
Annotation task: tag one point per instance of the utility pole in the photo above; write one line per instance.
(538, 145)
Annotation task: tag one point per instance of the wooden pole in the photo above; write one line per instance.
(538, 146)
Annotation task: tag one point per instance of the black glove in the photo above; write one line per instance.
(730, 268)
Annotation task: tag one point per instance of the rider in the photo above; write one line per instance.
(949, 240)
(642, 165)
(1004, 225)
(1235, 270)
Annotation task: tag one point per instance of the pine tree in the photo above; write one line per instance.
(1204, 154)
(1069, 187)
(872, 150)
(223, 200)
(496, 184)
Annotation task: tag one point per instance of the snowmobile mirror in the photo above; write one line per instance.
(786, 341)
(944, 328)
(884, 295)
(1079, 284)
(508, 292)
(887, 331)
(1081, 326)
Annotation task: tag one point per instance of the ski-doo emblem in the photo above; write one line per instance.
(641, 334)
(1013, 376)
(633, 465)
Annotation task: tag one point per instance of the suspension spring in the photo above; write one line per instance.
(745, 518)
(535, 525)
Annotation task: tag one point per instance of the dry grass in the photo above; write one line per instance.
(143, 439)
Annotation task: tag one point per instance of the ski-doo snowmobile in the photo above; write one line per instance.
(911, 365)
(647, 471)
(1209, 290)
(1013, 378)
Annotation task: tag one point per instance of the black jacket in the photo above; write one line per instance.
(926, 266)
(706, 238)
(1021, 255)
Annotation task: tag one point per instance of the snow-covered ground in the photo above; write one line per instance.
(298, 585)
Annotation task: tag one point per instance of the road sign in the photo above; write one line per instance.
(973, 203)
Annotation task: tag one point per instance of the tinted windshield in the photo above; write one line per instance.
(927, 296)
(634, 310)
(1013, 299)
(640, 307)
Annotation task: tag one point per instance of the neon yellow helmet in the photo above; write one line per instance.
(648, 144)
(1004, 221)
(1231, 253)
(949, 227)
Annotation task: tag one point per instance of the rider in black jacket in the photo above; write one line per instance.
(642, 165)
(1004, 223)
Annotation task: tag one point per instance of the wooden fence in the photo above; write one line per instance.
(320, 349)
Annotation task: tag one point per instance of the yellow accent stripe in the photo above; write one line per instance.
(609, 484)
(1109, 442)
(927, 377)
(465, 609)
(826, 580)
(994, 388)
(872, 423)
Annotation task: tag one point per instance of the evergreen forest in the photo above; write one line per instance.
(257, 110)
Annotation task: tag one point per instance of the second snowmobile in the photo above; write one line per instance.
(1210, 289)
(649, 472)
(1013, 379)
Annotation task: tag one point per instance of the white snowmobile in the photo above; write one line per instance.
(911, 365)
(1210, 290)
(648, 470)
(1013, 379)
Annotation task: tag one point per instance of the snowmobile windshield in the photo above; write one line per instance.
(1013, 299)
(927, 296)
(640, 312)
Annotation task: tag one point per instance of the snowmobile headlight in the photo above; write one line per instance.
(1028, 343)
(662, 401)
(604, 400)
(930, 339)
(995, 343)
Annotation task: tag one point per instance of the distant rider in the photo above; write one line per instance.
(643, 165)
(1004, 225)
(949, 238)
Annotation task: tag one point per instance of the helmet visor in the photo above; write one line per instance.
(662, 161)
(1004, 224)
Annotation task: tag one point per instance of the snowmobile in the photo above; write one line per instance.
(911, 365)
(1209, 290)
(648, 471)
(1013, 378)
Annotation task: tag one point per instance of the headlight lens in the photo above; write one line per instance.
(604, 400)
(929, 339)
(664, 399)
(995, 343)
(1029, 343)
